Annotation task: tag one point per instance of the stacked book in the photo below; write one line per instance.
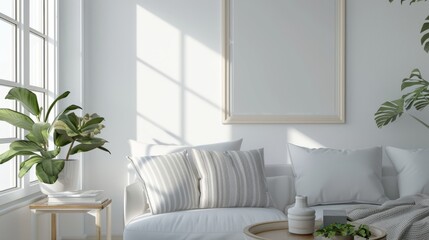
(84, 196)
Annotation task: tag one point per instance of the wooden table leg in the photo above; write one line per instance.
(98, 224)
(53, 226)
(109, 223)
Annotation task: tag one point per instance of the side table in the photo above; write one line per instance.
(94, 209)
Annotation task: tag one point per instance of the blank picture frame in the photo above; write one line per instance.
(284, 61)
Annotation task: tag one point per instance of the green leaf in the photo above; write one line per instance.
(9, 154)
(16, 119)
(104, 149)
(52, 153)
(40, 133)
(425, 26)
(85, 147)
(93, 121)
(388, 112)
(424, 38)
(27, 164)
(53, 167)
(426, 47)
(89, 140)
(24, 145)
(417, 98)
(65, 125)
(91, 128)
(47, 171)
(61, 139)
(70, 108)
(62, 96)
(26, 97)
(74, 119)
(416, 73)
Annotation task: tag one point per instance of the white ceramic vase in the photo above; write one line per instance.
(68, 179)
(301, 217)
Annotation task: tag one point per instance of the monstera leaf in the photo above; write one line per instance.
(425, 37)
(389, 112)
(417, 98)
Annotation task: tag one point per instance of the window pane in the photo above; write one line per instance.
(7, 50)
(7, 7)
(8, 171)
(37, 59)
(37, 15)
(6, 129)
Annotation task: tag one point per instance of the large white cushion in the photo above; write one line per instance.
(333, 176)
(169, 182)
(412, 166)
(215, 223)
(232, 178)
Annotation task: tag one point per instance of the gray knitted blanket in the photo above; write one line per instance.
(403, 218)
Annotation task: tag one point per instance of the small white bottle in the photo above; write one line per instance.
(301, 217)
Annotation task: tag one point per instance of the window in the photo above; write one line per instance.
(27, 59)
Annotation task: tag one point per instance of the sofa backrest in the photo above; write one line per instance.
(280, 180)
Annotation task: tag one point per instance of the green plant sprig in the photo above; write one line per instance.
(339, 229)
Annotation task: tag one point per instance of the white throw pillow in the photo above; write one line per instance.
(334, 176)
(169, 182)
(412, 166)
(232, 178)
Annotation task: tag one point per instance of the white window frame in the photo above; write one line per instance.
(25, 188)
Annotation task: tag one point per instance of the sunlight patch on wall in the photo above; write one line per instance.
(203, 97)
(199, 62)
(178, 84)
(158, 43)
(298, 138)
(158, 78)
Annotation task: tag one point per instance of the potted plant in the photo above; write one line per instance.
(67, 130)
(340, 231)
(416, 89)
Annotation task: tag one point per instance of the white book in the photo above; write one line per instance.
(63, 200)
(77, 194)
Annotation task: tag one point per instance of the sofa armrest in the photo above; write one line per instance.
(135, 201)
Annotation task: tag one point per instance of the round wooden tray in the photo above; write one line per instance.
(278, 230)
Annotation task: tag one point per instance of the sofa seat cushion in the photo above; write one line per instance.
(219, 223)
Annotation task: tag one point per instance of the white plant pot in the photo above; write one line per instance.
(68, 179)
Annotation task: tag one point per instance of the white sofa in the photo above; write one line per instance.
(222, 223)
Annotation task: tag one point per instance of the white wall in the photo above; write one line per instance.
(153, 70)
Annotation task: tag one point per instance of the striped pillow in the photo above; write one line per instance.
(169, 182)
(231, 179)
